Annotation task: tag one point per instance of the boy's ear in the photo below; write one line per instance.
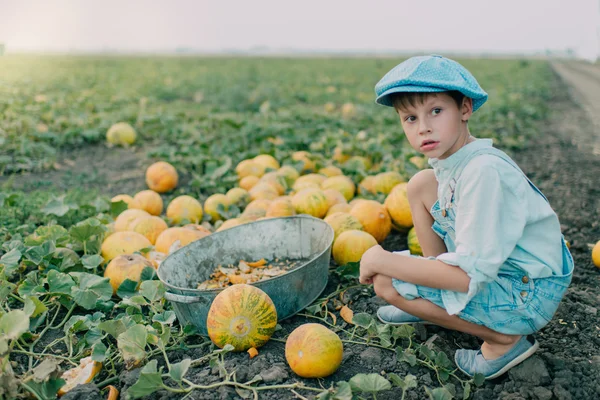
(467, 108)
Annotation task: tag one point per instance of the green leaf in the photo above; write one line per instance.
(55, 233)
(6, 288)
(91, 261)
(150, 381)
(363, 320)
(166, 318)
(13, 324)
(57, 206)
(87, 229)
(152, 290)
(178, 371)
(403, 331)
(99, 352)
(467, 391)
(59, 282)
(34, 307)
(343, 391)
(442, 360)
(37, 254)
(10, 261)
(132, 344)
(478, 379)
(350, 270)
(113, 327)
(93, 336)
(148, 273)
(438, 393)
(91, 289)
(409, 381)
(127, 288)
(117, 207)
(46, 390)
(32, 285)
(369, 383)
(384, 333)
(406, 355)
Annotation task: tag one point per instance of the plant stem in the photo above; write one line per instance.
(107, 382)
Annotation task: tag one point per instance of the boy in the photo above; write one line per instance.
(496, 265)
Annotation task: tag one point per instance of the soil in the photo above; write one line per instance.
(562, 161)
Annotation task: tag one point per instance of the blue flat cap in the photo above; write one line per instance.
(429, 74)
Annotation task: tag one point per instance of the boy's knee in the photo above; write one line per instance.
(422, 182)
(383, 287)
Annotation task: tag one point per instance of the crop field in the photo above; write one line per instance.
(247, 139)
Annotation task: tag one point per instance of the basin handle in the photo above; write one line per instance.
(184, 299)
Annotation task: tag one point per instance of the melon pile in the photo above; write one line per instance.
(265, 189)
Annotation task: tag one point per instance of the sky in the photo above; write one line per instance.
(460, 26)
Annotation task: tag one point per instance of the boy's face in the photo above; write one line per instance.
(436, 128)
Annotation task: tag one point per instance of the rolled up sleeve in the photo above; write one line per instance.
(490, 219)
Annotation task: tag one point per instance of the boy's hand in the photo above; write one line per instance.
(369, 262)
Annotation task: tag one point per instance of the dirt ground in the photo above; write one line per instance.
(564, 162)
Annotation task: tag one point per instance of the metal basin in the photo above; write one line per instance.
(299, 237)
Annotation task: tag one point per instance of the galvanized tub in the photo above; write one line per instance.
(299, 237)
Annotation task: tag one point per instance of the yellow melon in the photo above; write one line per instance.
(313, 351)
(252, 215)
(127, 217)
(374, 218)
(149, 201)
(263, 190)
(126, 266)
(230, 223)
(174, 238)
(330, 171)
(289, 173)
(213, 203)
(342, 184)
(243, 316)
(150, 227)
(334, 197)
(248, 182)
(398, 207)
(340, 207)
(161, 177)
(121, 133)
(280, 207)
(267, 161)
(249, 167)
(351, 245)
(123, 243)
(310, 201)
(385, 181)
(185, 208)
(596, 254)
(367, 185)
(131, 202)
(261, 204)
(413, 243)
(276, 180)
(341, 222)
(238, 196)
(306, 158)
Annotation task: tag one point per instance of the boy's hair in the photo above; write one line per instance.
(403, 100)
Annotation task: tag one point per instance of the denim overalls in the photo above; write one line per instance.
(512, 304)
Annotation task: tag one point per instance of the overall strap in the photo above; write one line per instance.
(498, 153)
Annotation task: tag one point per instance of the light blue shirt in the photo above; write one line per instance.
(499, 222)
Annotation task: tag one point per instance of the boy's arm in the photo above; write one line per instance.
(419, 271)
